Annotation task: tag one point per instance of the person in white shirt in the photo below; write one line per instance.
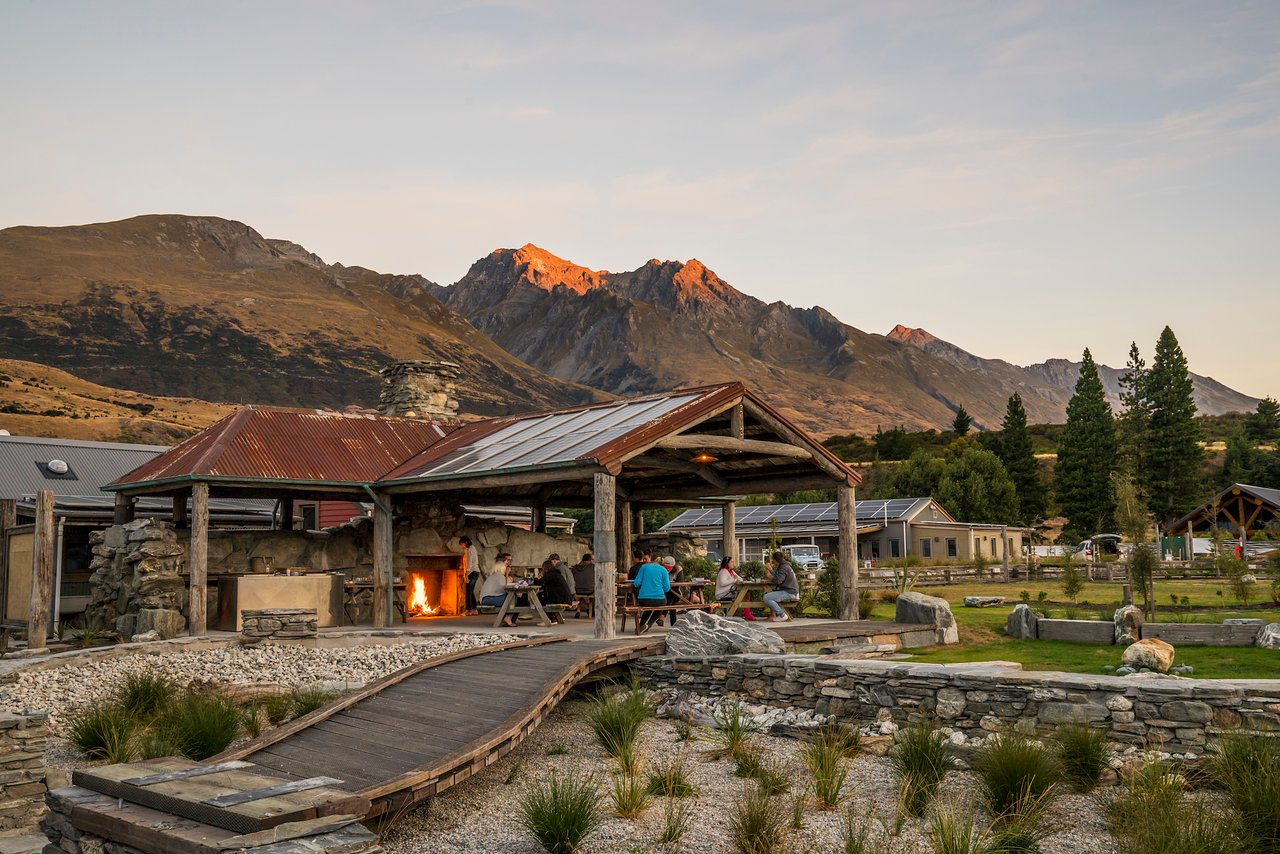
(727, 582)
(493, 592)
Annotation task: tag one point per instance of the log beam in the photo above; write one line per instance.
(847, 551)
(383, 565)
(737, 423)
(779, 427)
(198, 559)
(42, 560)
(124, 508)
(180, 511)
(707, 441)
(729, 531)
(605, 486)
(623, 517)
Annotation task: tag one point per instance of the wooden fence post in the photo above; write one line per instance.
(42, 559)
(198, 560)
(847, 516)
(606, 546)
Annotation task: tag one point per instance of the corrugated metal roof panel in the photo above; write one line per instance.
(873, 510)
(92, 465)
(294, 444)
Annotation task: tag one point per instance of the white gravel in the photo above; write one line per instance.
(481, 815)
(63, 690)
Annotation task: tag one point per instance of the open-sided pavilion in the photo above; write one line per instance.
(709, 445)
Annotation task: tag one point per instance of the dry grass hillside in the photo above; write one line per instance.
(36, 400)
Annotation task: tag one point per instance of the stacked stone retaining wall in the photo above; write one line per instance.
(288, 623)
(23, 738)
(1179, 715)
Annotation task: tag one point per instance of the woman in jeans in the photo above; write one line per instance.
(652, 583)
(785, 588)
(493, 591)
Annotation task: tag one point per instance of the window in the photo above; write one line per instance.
(926, 548)
(977, 547)
(895, 548)
(309, 522)
(952, 551)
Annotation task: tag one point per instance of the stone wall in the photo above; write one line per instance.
(135, 581)
(290, 623)
(23, 738)
(420, 389)
(1180, 715)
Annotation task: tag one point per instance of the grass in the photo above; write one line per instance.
(629, 795)
(1083, 755)
(105, 731)
(1016, 776)
(199, 725)
(671, 780)
(856, 836)
(733, 730)
(304, 701)
(1152, 814)
(756, 824)
(278, 707)
(145, 694)
(616, 721)
(824, 756)
(920, 758)
(675, 822)
(1246, 768)
(764, 768)
(561, 813)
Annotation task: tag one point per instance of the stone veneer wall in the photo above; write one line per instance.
(290, 623)
(1181, 715)
(23, 738)
(135, 581)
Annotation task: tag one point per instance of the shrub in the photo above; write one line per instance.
(143, 695)
(628, 794)
(304, 701)
(675, 821)
(153, 745)
(734, 729)
(844, 739)
(1015, 775)
(199, 725)
(278, 708)
(1247, 770)
(756, 824)
(697, 566)
(616, 721)
(856, 835)
(561, 813)
(105, 731)
(1083, 755)
(824, 757)
(752, 570)
(671, 780)
(920, 758)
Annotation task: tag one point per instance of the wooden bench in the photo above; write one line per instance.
(637, 610)
(586, 602)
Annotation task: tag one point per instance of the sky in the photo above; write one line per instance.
(1023, 179)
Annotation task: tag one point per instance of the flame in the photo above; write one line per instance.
(418, 604)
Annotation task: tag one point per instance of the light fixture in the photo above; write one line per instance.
(703, 457)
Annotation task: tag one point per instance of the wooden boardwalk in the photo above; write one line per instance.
(421, 730)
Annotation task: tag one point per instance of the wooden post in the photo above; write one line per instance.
(729, 531)
(606, 555)
(42, 559)
(180, 510)
(286, 514)
(124, 508)
(847, 514)
(383, 565)
(538, 518)
(737, 426)
(8, 519)
(1004, 547)
(198, 559)
(637, 525)
(623, 518)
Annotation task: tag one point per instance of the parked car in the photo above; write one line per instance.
(804, 557)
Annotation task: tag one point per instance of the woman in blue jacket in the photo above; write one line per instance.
(652, 583)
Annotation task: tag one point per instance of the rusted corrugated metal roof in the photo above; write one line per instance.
(263, 443)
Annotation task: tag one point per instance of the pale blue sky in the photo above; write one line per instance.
(1023, 179)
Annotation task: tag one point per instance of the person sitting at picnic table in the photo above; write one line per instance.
(675, 573)
(555, 590)
(637, 560)
(563, 568)
(727, 582)
(493, 592)
(584, 581)
(652, 584)
(785, 588)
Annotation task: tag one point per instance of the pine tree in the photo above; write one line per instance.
(1135, 415)
(1020, 462)
(1263, 425)
(1171, 454)
(1087, 456)
(963, 421)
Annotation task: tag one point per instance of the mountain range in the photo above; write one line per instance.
(203, 307)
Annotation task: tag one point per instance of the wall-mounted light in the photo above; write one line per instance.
(702, 457)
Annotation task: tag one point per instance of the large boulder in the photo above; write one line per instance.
(164, 622)
(1154, 654)
(1021, 624)
(1269, 637)
(983, 601)
(1128, 624)
(918, 608)
(699, 634)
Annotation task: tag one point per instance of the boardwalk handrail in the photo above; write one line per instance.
(330, 709)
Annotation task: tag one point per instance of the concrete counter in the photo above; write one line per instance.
(322, 591)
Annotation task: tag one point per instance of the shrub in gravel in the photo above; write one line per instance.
(145, 694)
(105, 731)
(675, 821)
(199, 725)
(304, 701)
(1083, 754)
(1153, 814)
(278, 708)
(920, 758)
(561, 812)
(844, 739)
(629, 795)
(824, 757)
(153, 745)
(757, 823)
(671, 779)
(1246, 768)
(856, 837)
(734, 729)
(1016, 776)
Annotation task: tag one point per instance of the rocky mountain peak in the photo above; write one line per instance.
(677, 284)
(535, 266)
(908, 335)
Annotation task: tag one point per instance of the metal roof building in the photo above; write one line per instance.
(24, 464)
(1239, 508)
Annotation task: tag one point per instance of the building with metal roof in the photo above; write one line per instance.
(886, 529)
(89, 466)
(1239, 509)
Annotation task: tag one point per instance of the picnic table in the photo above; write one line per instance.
(751, 595)
(627, 603)
(534, 606)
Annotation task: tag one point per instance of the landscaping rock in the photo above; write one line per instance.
(164, 622)
(1152, 653)
(1269, 637)
(1021, 624)
(919, 608)
(983, 601)
(699, 634)
(1128, 624)
(1244, 621)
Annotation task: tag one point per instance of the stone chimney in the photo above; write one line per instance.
(420, 389)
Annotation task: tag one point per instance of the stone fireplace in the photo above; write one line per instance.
(435, 586)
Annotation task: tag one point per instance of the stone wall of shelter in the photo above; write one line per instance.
(1178, 715)
(23, 738)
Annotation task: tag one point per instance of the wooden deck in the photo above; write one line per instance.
(424, 729)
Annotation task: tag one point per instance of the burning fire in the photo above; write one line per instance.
(418, 604)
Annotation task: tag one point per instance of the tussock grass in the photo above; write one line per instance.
(764, 768)
(105, 731)
(629, 795)
(278, 707)
(844, 739)
(1153, 814)
(675, 821)
(561, 812)
(153, 745)
(733, 730)
(954, 830)
(920, 758)
(1246, 769)
(1016, 776)
(199, 725)
(145, 694)
(616, 722)
(671, 779)
(1083, 755)
(756, 823)
(304, 701)
(828, 770)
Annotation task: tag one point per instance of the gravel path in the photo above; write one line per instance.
(481, 814)
(63, 690)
